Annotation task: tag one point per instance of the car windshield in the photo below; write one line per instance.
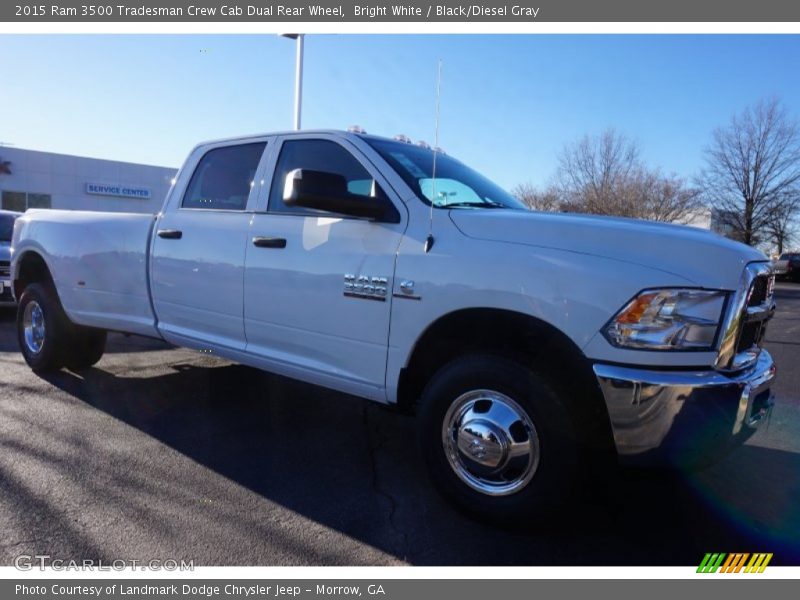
(789, 256)
(455, 186)
(6, 227)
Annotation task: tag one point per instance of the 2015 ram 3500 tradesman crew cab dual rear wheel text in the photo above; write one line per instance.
(528, 344)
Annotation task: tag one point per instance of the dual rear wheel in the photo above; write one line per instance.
(48, 339)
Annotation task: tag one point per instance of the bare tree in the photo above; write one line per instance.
(594, 172)
(781, 228)
(605, 174)
(547, 200)
(752, 167)
(668, 198)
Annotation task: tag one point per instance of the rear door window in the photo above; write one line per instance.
(224, 177)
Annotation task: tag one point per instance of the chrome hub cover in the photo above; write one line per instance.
(490, 442)
(33, 327)
(482, 442)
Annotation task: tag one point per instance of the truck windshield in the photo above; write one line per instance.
(456, 185)
(6, 227)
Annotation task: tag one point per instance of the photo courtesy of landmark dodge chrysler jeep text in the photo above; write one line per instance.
(528, 344)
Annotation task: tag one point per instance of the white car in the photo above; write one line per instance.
(787, 266)
(529, 345)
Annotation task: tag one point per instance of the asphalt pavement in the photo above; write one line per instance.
(163, 453)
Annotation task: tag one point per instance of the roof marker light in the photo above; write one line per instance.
(357, 129)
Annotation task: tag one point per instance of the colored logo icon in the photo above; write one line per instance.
(721, 562)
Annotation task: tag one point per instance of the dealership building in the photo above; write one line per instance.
(33, 179)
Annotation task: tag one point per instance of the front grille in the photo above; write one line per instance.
(756, 314)
(5, 268)
(745, 321)
(751, 336)
(759, 290)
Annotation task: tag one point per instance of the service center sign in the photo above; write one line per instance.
(114, 189)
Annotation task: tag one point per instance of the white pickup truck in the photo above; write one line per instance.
(527, 344)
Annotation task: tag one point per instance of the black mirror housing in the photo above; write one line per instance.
(320, 190)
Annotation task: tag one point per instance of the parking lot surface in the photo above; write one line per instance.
(161, 453)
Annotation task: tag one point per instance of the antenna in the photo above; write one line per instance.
(429, 240)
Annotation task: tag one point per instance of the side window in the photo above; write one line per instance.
(318, 155)
(14, 201)
(21, 201)
(223, 178)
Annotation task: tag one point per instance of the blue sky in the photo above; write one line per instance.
(509, 103)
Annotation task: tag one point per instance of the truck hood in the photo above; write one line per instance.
(698, 255)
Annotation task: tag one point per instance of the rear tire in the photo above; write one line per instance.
(42, 328)
(89, 344)
(498, 440)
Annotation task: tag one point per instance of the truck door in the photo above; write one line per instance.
(197, 270)
(318, 286)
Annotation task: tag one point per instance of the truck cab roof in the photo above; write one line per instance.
(290, 132)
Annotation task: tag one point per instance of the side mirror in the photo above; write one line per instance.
(328, 192)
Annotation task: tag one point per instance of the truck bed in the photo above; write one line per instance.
(99, 262)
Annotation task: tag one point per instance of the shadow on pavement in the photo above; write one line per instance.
(353, 467)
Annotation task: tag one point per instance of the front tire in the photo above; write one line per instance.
(498, 440)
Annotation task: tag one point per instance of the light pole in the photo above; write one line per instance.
(298, 76)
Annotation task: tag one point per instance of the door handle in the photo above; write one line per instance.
(170, 234)
(269, 242)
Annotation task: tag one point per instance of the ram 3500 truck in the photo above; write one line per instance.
(527, 344)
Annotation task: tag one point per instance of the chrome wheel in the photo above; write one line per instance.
(490, 442)
(33, 327)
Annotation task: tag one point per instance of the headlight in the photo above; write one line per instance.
(672, 319)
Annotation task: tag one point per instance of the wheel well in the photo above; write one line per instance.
(32, 269)
(520, 337)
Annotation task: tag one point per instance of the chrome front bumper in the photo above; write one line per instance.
(684, 416)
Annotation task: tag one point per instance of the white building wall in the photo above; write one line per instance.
(64, 178)
(700, 218)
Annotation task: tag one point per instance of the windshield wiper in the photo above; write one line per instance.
(484, 204)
